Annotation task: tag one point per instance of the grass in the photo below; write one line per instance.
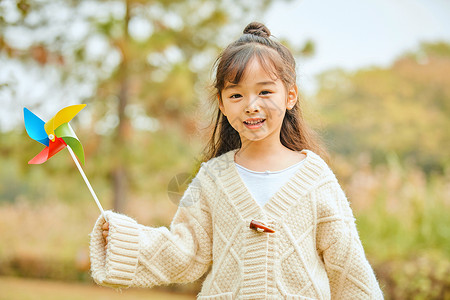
(24, 289)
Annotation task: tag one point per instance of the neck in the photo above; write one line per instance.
(260, 150)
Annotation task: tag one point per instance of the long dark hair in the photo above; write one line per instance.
(230, 66)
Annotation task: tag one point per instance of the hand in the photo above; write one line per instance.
(105, 228)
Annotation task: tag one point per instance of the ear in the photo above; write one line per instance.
(292, 97)
(221, 107)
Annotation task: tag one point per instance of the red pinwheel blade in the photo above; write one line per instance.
(47, 152)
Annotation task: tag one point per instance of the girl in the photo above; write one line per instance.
(264, 211)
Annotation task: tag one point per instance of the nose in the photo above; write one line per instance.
(252, 107)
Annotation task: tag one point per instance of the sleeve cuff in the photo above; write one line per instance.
(115, 266)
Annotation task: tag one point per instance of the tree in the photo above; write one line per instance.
(402, 109)
(134, 58)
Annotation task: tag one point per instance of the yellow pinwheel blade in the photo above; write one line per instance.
(63, 116)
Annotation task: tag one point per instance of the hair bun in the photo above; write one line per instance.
(258, 29)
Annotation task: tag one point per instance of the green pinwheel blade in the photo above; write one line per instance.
(66, 132)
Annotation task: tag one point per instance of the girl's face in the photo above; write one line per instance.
(255, 107)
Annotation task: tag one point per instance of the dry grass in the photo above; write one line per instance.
(24, 289)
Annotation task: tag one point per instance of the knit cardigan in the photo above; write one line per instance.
(314, 253)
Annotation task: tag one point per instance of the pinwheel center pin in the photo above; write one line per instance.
(51, 137)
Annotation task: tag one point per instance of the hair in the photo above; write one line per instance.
(275, 59)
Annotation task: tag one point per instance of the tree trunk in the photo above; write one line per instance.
(120, 171)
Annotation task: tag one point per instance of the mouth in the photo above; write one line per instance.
(254, 123)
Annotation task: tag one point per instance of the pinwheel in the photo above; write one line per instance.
(56, 134)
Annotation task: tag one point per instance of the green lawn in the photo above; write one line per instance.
(33, 289)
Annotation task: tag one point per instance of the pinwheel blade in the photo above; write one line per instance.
(66, 132)
(47, 152)
(35, 127)
(63, 116)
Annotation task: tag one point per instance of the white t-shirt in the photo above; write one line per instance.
(263, 185)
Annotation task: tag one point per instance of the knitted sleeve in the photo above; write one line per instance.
(350, 274)
(141, 256)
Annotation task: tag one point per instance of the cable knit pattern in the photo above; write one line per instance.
(314, 253)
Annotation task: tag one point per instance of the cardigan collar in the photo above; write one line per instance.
(280, 203)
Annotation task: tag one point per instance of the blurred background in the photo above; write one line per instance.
(374, 81)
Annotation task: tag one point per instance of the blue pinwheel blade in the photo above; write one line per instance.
(35, 127)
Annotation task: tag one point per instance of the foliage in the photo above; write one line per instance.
(403, 109)
(401, 216)
(420, 277)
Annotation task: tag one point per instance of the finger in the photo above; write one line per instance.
(105, 226)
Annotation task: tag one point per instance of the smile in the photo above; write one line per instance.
(254, 124)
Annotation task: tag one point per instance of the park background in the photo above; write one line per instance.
(374, 81)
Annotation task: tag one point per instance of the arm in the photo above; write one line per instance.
(141, 256)
(338, 243)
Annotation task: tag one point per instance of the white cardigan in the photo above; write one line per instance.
(314, 253)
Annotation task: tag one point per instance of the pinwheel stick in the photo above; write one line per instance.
(87, 181)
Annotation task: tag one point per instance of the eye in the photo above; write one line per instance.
(265, 93)
(235, 96)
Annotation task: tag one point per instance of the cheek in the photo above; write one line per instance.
(235, 122)
(275, 108)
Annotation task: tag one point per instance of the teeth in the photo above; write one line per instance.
(254, 122)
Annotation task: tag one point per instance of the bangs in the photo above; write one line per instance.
(232, 67)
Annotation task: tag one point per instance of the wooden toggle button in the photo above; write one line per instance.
(260, 227)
